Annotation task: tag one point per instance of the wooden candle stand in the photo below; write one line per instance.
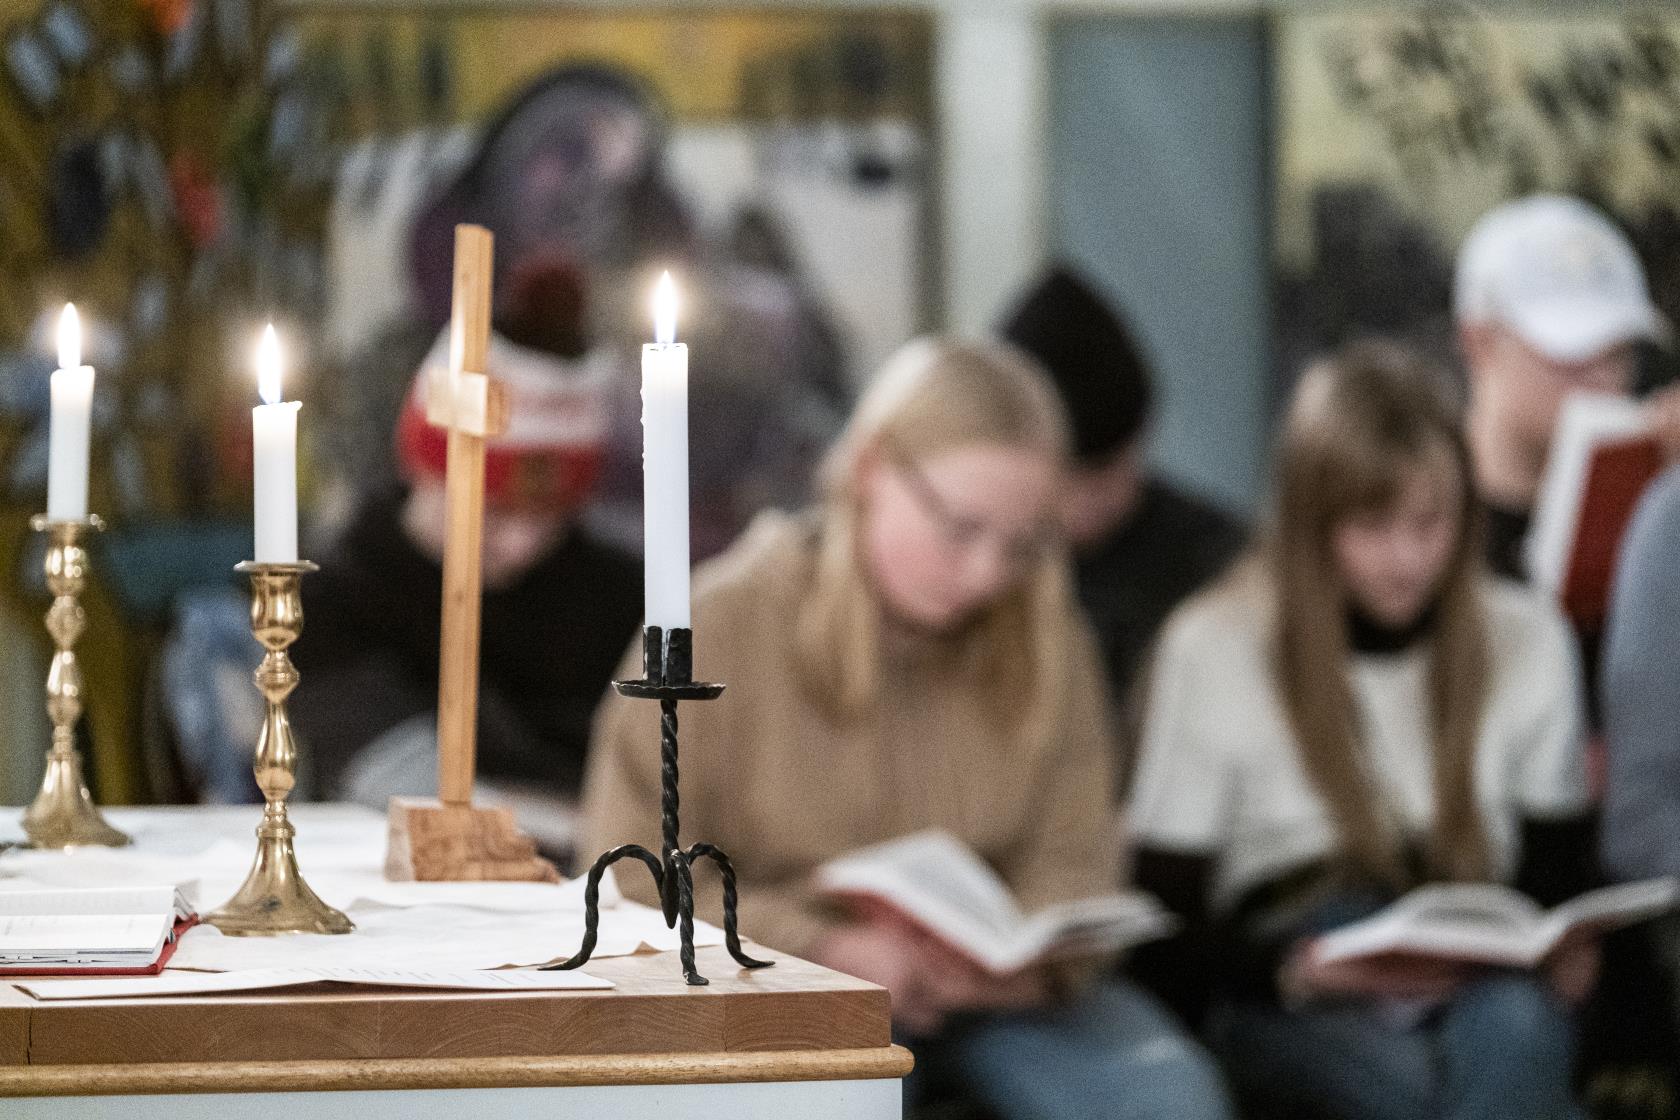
(450, 838)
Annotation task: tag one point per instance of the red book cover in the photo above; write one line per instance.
(1617, 475)
(170, 943)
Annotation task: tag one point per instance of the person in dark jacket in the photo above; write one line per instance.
(1142, 545)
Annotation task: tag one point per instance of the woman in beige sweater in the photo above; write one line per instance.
(908, 657)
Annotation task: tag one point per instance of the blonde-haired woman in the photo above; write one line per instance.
(908, 657)
(1357, 710)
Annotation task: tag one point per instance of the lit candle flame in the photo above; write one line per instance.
(69, 339)
(665, 311)
(268, 366)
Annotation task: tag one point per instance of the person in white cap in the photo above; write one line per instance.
(1549, 299)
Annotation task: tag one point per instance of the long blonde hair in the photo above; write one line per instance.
(933, 395)
(1360, 421)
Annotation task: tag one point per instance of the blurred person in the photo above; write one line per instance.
(573, 166)
(1641, 690)
(908, 656)
(1356, 710)
(557, 605)
(1141, 545)
(1550, 299)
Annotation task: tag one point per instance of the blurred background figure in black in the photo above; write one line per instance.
(1141, 544)
(558, 603)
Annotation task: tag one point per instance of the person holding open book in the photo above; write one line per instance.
(909, 656)
(1357, 710)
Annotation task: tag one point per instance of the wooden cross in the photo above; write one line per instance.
(450, 838)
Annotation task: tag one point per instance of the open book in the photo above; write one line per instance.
(1485, 923)
(91, 930)
(937, 882)
(1602, 457)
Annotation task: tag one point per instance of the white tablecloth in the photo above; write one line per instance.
(341, 851)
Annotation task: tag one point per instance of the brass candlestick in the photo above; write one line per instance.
(63, 814)
(275, 899)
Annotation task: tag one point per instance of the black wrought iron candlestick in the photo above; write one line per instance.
(667, 676)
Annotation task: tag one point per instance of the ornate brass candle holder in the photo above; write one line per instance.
(63, 814)
(275, 899)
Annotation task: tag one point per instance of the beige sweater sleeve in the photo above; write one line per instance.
(1073, 850)
(622, 805)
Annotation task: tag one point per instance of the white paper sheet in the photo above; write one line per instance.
(175, 983)
(438, 937)
(341, 851)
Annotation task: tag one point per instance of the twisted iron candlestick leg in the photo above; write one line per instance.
(592, 899)
(685, 910)
(731, 938)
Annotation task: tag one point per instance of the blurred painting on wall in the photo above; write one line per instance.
(1396, 130)
(795, 139)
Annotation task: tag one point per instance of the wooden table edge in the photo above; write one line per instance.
(870, 1064)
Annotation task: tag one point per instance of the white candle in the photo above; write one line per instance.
(68, 431)
(665, 466)
(274, 460)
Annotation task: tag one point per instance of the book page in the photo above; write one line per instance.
(1614, 907)
(1490, 905)
(1465, 921)
(933, 871)
(938, 882)
(159, 900)
(61, 936)
(1101, 924)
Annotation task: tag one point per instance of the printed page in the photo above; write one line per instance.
(178, 983)
(28, 937)
(441, 938)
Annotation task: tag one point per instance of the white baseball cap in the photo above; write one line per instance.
(1558, 273)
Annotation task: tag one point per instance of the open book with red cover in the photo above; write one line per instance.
(91, 931)
(1602, 458)
(938, 883)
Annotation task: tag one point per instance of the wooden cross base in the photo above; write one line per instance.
(430, 841)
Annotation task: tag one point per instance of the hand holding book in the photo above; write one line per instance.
(937, 927)
(928, 981)
(1571, 968)
(1306, 975)
(1491, 925)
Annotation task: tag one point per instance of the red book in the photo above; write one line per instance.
(94, 931)
(1603, 456)
(182, 925)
